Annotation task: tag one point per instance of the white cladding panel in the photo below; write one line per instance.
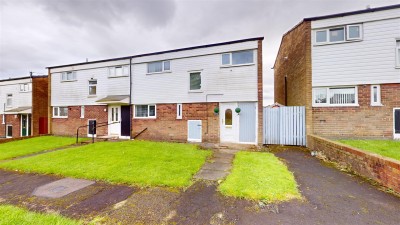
(19, 99)
(234, 83)
(76, 93)
(370, 61)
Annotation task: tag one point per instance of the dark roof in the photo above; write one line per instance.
(21, 78)
(369, 10)
(162, 52)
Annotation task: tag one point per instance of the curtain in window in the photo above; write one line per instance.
(342, 95)
(141, 111)
(154, 67)
(195, 81)
(242, 57)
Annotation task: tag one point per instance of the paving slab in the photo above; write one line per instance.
(60, 188)
(222, 166)
(212, 175)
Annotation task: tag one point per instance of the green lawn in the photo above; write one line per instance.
(142, 163)
(11, 215)
(260, 176)
(32, 145)
(388, 148)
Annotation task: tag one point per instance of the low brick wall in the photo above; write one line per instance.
(385, 171)
(5, 140)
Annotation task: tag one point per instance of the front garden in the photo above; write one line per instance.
(388, 148)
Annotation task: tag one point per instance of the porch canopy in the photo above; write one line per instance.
(115, 99)
(20, 110)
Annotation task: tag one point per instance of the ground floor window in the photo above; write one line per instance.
(9, 133)
(60, 112)
(375, 95)
(335, 96)
(145, 111)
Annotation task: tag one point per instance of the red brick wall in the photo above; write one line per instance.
(68, 126)
(362, 121)
(167, 128)
(260, 92)
(383, 170)
(15, 121)
(39, 102)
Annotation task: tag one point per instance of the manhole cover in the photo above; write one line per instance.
(60, 188)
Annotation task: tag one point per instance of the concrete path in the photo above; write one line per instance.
(218, 167)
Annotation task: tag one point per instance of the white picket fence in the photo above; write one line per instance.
(285, 125)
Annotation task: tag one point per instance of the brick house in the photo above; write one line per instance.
(207, 93)
(23, 106)
(345, 68)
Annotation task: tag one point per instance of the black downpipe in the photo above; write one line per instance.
(130, 98)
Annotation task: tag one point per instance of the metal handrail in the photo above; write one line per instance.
(94, 127)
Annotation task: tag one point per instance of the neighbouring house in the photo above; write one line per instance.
(23, 106)
(207, 93)
(345, 69)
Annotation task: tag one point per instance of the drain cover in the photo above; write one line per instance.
(60, 188)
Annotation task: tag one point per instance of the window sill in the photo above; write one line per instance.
(239, 65)
(145, 118)
(377, 105)
(92, 96)
(118, 76)
(327, 106)
(25, 91)
(167, 71)
(66, 81)
(60, 117)
(337, 42)
(397, 67)
(195, 91)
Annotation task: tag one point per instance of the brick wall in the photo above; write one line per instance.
(14, 120)
(363, 121)
(39, 103)
(383, 170)
(68, 126)
(294, 62)
(167, 128)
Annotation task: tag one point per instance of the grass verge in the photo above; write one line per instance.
(142, 163)
(33, 145)
(260, 176)
(11, 215)
(388, 148)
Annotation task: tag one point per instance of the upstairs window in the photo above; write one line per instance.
(145, 111)
(92, 87)
(60, 112)
(195, 81)
(118, 71)
(68, 76)
(158, 67)
(238, 58)
(338, 34)
(9, 100)
(335, 96)
(25, 87)
(375, 95)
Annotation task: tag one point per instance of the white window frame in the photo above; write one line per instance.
(179, 111)
(346, 34)
(148, 111)
(328, 104)
(64, 76)
(163, 70)
(82, 112)
(201, 81)
(378, 102)
(6, 134)
(7, 98)
(3, 119)
(397, 53)
(231, 59)
(92, 85)
(25, 87)
(58, 116)
(112, 71)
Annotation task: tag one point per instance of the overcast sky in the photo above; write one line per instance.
(35, 34)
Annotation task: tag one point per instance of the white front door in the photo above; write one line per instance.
(396, 125)
(229, 122)
(114, 118)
